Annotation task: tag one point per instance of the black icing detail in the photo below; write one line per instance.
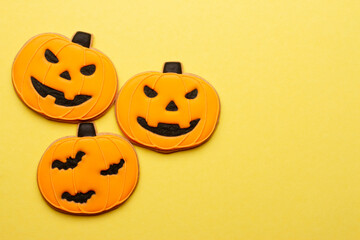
(88, 70)
(65, 75)
(174, 67)
(79, 197)
(70, 162)
(171, 107)
(149, 92)
(168, 130)
(113, 169)
(191, 95)
(86, 130)
(82, 38)
(50, 56)
(59, 96)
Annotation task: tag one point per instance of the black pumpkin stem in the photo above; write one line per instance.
(86, 130)
(173, 67)
(82, 38)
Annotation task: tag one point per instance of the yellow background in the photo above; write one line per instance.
(284, 161)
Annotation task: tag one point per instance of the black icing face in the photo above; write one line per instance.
(59, 96)
(167, 129)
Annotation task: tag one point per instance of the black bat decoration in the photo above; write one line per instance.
(70, 162)
(113, 169)
(79, 197)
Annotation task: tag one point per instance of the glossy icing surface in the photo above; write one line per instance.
(63, 80)
(167, 111)
(89, 174)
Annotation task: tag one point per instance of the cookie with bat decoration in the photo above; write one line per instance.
(167, 111)
(62, 79)
(88, 174)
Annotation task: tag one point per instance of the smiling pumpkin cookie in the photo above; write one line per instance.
(64, 79)
(168, 111)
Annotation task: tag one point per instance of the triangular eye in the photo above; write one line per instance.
(191, 95)
(88, 70)
(50, 56)
(151, 93)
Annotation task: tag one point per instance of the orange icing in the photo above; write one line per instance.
(31, 62)
(100, 153)
(132, 103)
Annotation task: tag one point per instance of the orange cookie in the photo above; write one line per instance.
(167, 111)
(64, 79)
(88, 174)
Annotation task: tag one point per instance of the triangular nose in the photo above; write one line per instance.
(65, 75)
(171, 106)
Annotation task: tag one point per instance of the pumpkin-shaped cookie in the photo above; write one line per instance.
(64, 79)
(167, 111)
(88, 174)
